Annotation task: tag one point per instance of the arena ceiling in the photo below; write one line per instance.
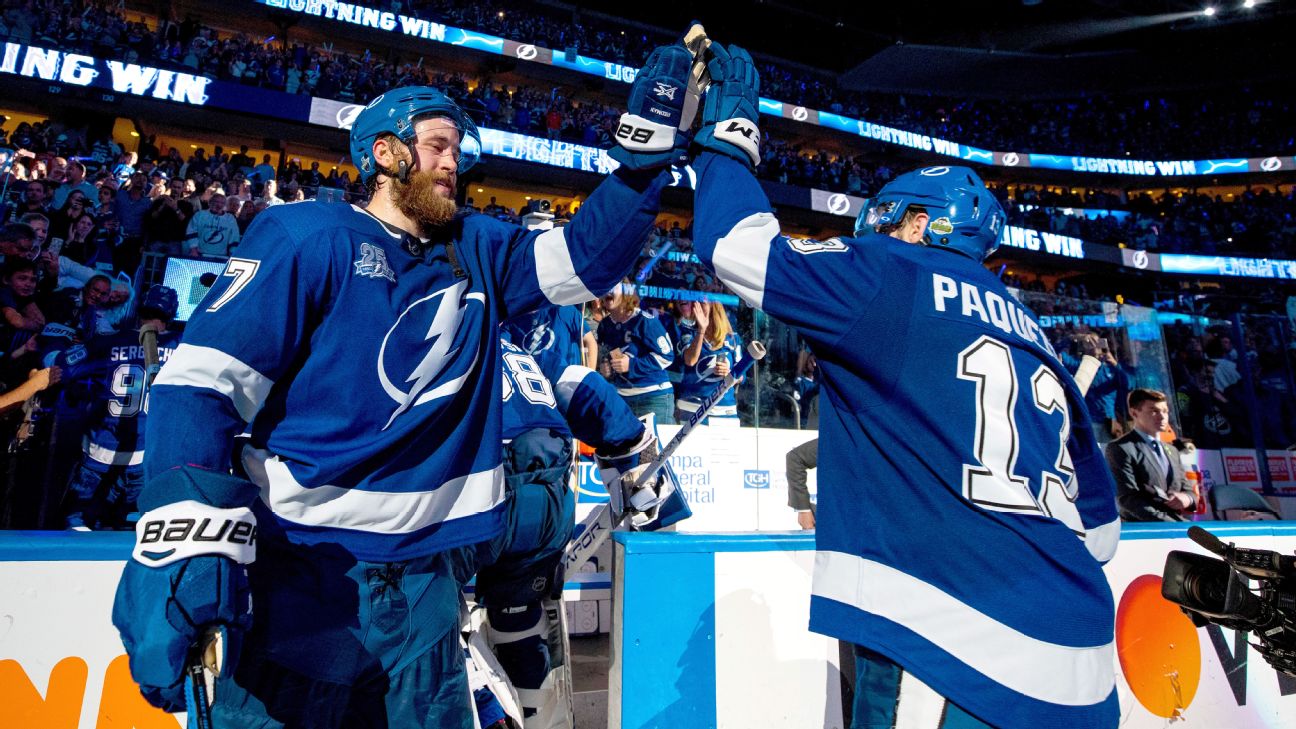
(998, 47)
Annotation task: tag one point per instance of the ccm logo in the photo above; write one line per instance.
(634, 134)
(183, 530)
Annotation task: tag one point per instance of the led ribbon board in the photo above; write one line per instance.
(422, 29)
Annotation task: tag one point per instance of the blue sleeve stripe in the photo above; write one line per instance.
(378, 512)
(555, 271)
(742, 256)
(212, 369)
(1050, 672)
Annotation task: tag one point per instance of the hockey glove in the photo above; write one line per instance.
(652, 132)
(652, 505)
(732, 105)
(187, 574)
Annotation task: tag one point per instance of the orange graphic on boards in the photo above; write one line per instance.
(1159, 650)
(120, 705)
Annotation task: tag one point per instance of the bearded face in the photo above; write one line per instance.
(428, 197)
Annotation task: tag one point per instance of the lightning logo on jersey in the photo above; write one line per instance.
(449, 305)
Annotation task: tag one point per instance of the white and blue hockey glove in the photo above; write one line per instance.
(732, 105)
(187, 575)
(653, 132)
(652, 505)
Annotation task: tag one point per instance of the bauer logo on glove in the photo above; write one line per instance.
(187, 528)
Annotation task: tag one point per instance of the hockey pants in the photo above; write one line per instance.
(339, 643)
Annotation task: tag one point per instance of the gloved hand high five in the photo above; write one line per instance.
(653, 130)
(187, 574)
(732, 105)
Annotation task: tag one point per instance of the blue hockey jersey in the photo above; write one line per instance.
(572, 399)
(700, 379)
(370, 376)
(528, 395)
(644, 339)
(964, 507)
(595, 411)
(115, 434)
(551, 335)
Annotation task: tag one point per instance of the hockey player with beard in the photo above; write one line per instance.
(360, 350)
(964, 509)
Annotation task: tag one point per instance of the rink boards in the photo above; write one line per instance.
(708, 631)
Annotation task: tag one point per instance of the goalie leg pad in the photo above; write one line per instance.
(530, 642)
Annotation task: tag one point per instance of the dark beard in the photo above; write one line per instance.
(420, 201)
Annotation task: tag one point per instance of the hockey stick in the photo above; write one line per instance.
(1084, 374)
(599, 524)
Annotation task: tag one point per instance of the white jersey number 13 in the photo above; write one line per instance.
(991, 483)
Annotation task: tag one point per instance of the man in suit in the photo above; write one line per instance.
(1149, 476)
(799, 460)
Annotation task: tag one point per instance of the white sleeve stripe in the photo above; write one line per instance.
(555, 271)
(212, 369)
(741, 257)
(663, 362)
(568, 381)
(1101, 541)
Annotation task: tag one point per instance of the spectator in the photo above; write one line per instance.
(264, 172)
(799, 460)
(63, 220)
(82, 244)
(35, 198)
(167, 221)
(212, 232)
(17, 241)
(710, 350)
(270, 193)
(1107, 391)
(75, 180)
(1211, 419)
(110, 475)
(639, 353)
(22, 318)
(807, 389)
(1150, 481)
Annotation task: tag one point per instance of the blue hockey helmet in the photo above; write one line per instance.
(396, 112)
(160, 300)
(963, 215)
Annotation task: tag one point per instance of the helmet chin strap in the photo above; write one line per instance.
(403, 168)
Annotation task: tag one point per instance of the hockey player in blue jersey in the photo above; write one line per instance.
(964, 510)
(359, 348)
(641, 351)
(106, 484)
(521, 580)
(708, 350)
(553, 335)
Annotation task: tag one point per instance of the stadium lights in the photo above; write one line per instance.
(1209, 11)
(1249, 4)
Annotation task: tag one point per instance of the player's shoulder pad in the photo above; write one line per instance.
(307, 220)
(477, 225)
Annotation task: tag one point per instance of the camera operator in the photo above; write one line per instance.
(1150, 481)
